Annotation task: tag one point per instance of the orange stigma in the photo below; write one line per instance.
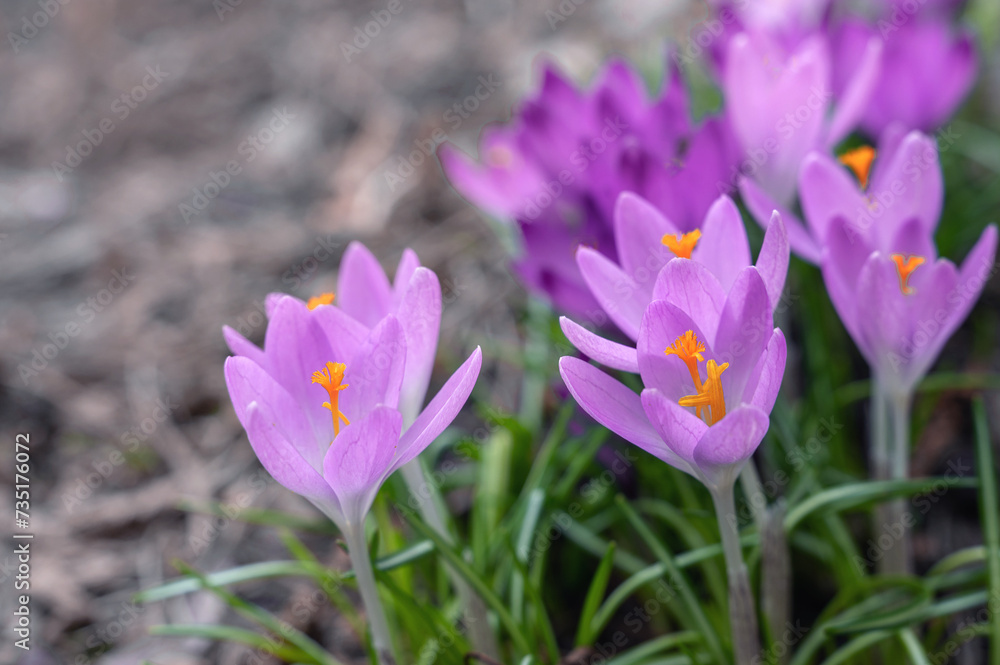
(709, 394)
(682, 244)
(689, 349)
(330, 378)
(321, 299)
(905, 267)
(860, 161)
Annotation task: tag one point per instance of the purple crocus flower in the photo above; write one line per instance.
(711, 364)
(557, 168)
(898, 300)
(927, 70)
(646, 240)
(320, 404)
(779, 100)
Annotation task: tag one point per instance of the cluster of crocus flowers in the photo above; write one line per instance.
(557, 168)
(324, 403)
(711, 363)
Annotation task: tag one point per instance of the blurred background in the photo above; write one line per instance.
(164, 165)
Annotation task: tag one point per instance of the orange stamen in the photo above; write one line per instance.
(860, 161)
(710, 394)
(321, 299)
(682, 244)
(905, 267)
(330, 378)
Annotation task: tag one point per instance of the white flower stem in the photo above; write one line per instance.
(742, 610)
(890, 457)
(365, 577)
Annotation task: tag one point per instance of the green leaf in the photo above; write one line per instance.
(232, 634)
(536, 500)
(476, 582)
(585, 635)
(990, 517)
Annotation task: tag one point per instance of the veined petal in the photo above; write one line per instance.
(248, 384)
(692, 288)
(441, 410)
(729, 443)
(363, 290)
(723, 247)
(766, 379)
(744, 329)
(828, 191)
(420, 317)
(408, 263)
(618, 294)
(772, 263)
(679, 428)
(662, 324)
(344, 334)
(357, 461)
(639, 228)
(613, 405)
(606, 352)
(911, 186)
(374, 375)
(282, 460)
(241, 346)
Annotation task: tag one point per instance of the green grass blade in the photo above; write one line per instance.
(696, 615)
(914, 649)
(232, 634)
(536, 500)
(991, 518)
(476, 582)
(585, 635)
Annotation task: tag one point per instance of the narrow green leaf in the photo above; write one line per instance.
(475, 581)
(990, 517)
(536, 500)
(233, 634)
(655, 646)
(913, 647)
(595, 594)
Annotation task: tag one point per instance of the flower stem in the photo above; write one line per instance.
(890, 455)
(365, 577)
(742, 612)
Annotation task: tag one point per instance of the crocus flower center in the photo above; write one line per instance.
(330, 378)
(905, 265)
(321, 299)
(682, 244)
(860, 161)
(689, 349)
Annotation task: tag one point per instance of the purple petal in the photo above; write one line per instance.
(420, 317)
(745, 328)
(844, 256)
(762, 207)
(621, 298)
(693, 288)
(441, 410)
(827, 190)
(374, 375)
(358, 460)
(679, 428)
(363, 290)
(639, 229)
(854, 100)
(662, 324)
(241, 346)
(769, 373)
(606, 352)
(886, 316)
(731, 441)
(909, 186)
(772, 263)
(723, 247)
(282, 460)
(613, 405)
(344, 334)
(296, 347)
(408, 263)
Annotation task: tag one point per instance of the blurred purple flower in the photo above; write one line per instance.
(898, 300)
(338, 453)
(706, 424)
(558, 167)
(646, 241)
(927, 70)
(779, 101)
